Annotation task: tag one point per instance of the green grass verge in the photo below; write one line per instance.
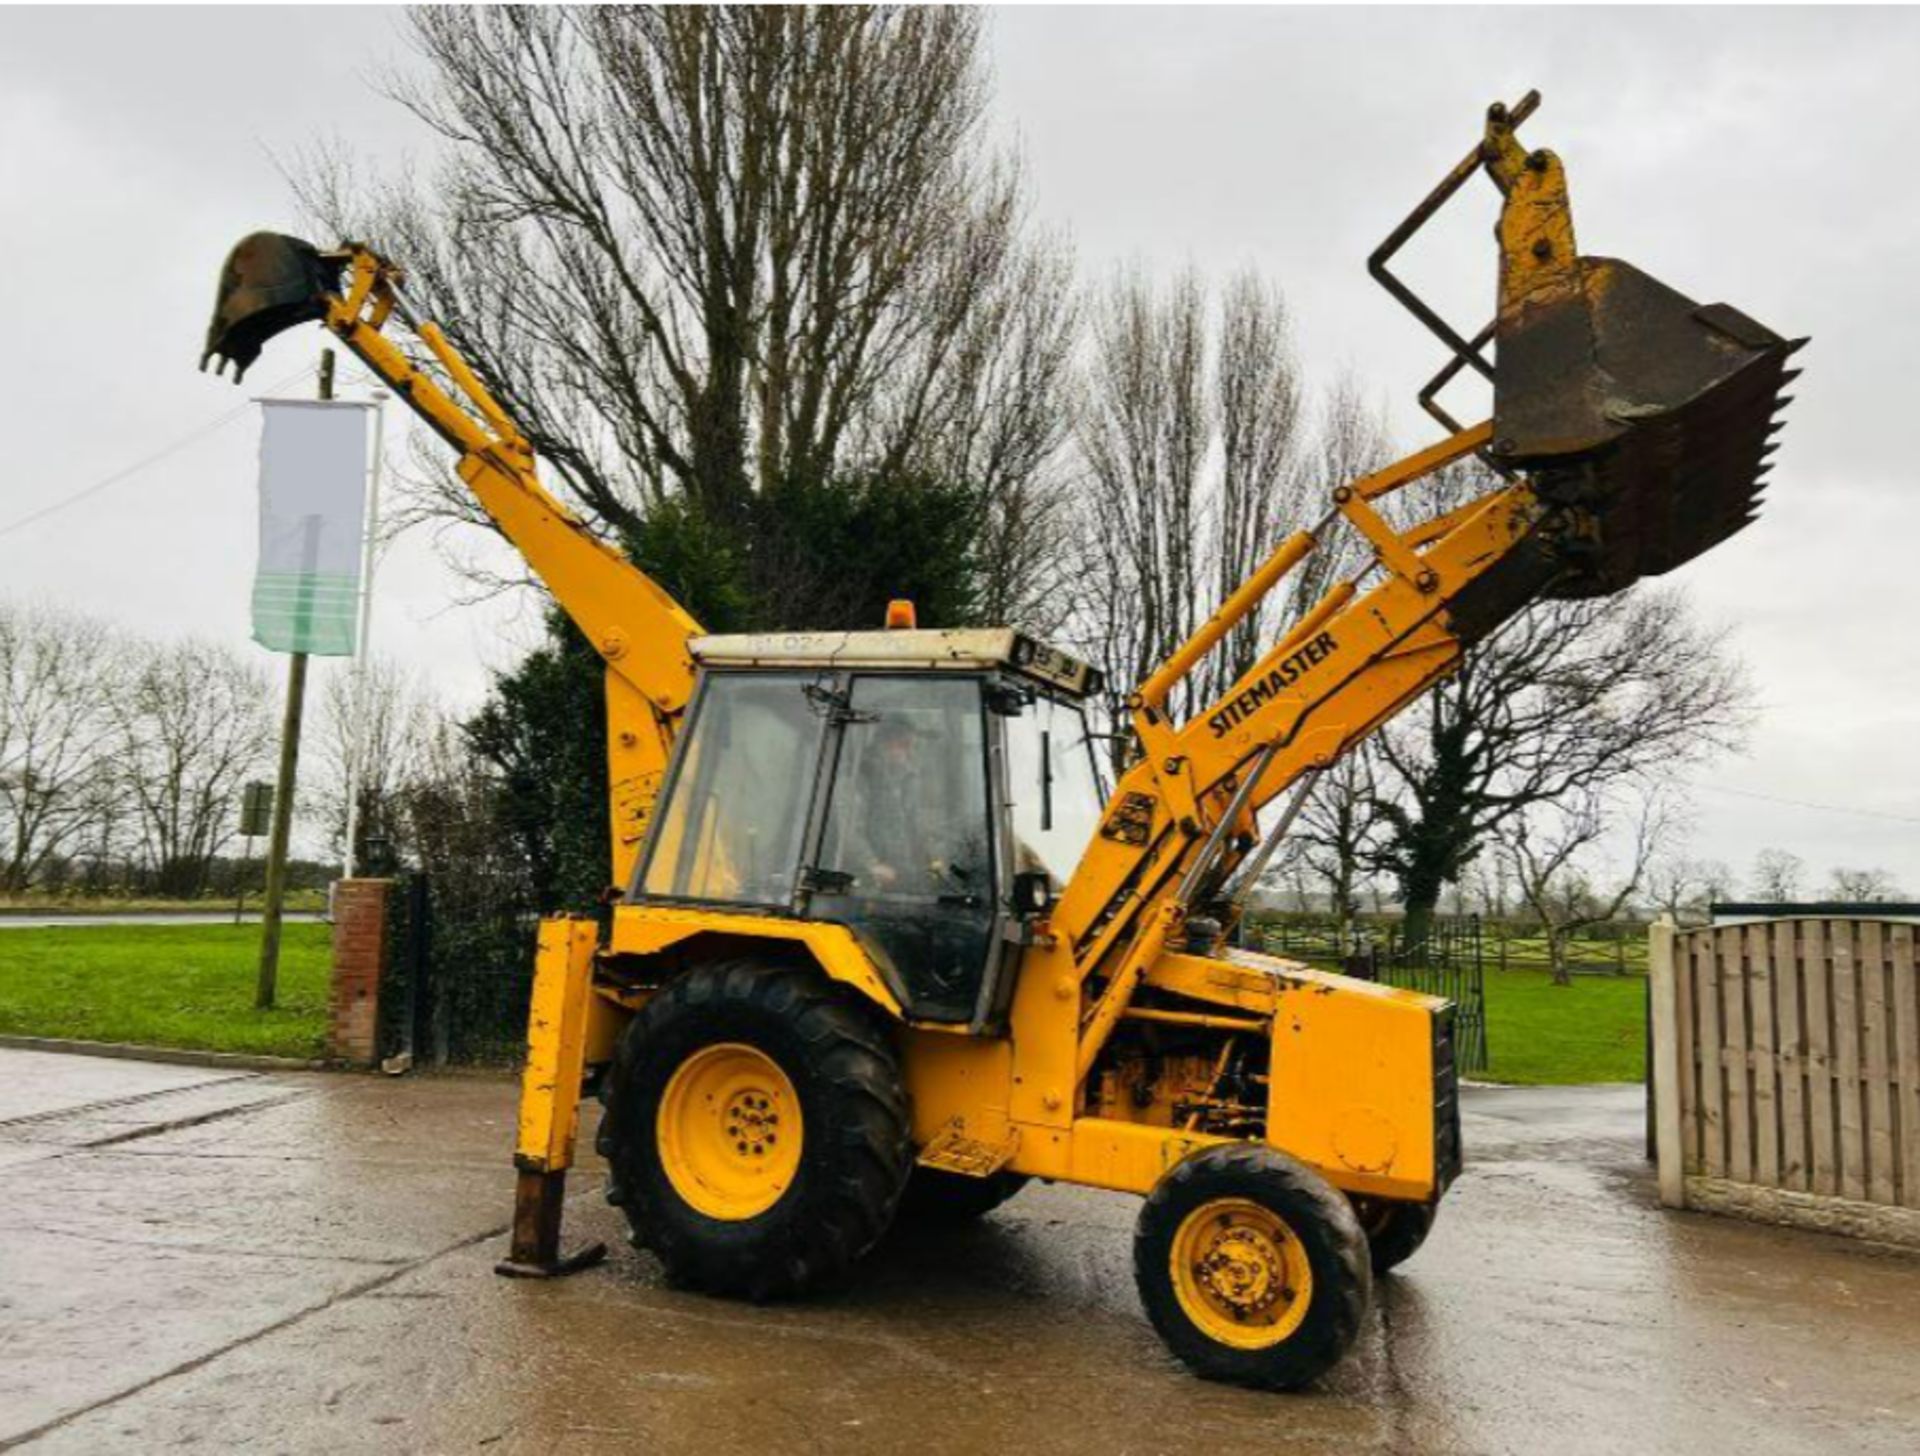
(34, 902)
(1592, 1031)
(165, 985)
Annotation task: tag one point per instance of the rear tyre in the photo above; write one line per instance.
(756, 1128)
(938, 1198)
(1395, 1230)
(1252, 1267)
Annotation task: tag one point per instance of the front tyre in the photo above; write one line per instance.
(1252, 1267)
(756, 1128)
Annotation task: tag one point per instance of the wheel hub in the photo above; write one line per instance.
(1241, 1275)
(1241, 1270)
(753, 1123)
(729, 1131)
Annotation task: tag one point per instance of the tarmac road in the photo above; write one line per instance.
(302, 1263)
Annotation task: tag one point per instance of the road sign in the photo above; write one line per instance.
(256, 809)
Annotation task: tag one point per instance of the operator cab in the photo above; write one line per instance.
(930, 790)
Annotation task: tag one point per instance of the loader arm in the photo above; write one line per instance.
(272, 282)
(1631, 429)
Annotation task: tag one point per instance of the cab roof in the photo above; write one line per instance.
(959, 649)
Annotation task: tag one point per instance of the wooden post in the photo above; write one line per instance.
(276, 888)
(1664, 1073)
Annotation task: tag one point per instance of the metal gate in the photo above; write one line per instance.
(459, 971)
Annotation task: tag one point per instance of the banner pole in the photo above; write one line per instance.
(276, 888)
(363, 643)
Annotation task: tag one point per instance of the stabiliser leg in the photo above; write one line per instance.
(550, 1101)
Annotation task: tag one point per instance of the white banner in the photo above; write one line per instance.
(313, 487)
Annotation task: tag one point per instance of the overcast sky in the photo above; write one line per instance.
(1758, 157)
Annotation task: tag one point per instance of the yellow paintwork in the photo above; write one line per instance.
(1352, 1084)
(1351, 1088)
(1240, 1274)
(556, 1045)
(730, 1131)
(651, 930)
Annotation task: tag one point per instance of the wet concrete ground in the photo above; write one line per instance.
(302, 1263)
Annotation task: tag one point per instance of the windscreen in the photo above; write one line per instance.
(731, 828)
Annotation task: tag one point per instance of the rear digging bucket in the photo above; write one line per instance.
(270, 282)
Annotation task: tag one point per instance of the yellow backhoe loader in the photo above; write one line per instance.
(885, 946)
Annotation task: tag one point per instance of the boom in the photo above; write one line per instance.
(1630, 432)
(271, 282)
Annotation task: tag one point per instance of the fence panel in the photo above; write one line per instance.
(1791, 1050)
(1793, 1071)
(1819, 1054)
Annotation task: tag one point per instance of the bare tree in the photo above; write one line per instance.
(194, 724)
(1862, 886)
(1777, 876)
(1685, 887)
(705, 252)
(1189, 433)
(1000, 424)
(57, 672)
(1348, 440)
(1547, 848)
(1570, 700)
(399, 720)
(1338, 832)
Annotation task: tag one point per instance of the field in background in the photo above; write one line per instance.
(165, 985)
(1592, 1031)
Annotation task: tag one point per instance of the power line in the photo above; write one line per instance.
(1811, 804)
(155, 458)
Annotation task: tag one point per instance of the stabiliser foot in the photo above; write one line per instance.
(535, 1254)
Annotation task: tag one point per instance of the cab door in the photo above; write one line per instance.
(904, 849)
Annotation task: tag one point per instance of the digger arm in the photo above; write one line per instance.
(641, 631)
(1631, 428)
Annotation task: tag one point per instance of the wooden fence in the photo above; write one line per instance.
(1786, 1068)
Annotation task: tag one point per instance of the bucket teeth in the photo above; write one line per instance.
(1651, 414)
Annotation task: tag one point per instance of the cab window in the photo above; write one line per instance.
(1055, 788)
(732, 827)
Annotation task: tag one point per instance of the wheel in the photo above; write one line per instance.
(1394, 1230)
(1252, 1267)
(756, 1128)
(935, 1196)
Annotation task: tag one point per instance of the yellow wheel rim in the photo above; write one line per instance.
(729, 1131)
(1240, 1273)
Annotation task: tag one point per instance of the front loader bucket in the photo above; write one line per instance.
(1642, 420)
(270, 282)
(1647, 411)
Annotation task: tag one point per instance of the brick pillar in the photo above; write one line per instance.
(359, 957)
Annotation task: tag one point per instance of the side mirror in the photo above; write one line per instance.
(1032, 893)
